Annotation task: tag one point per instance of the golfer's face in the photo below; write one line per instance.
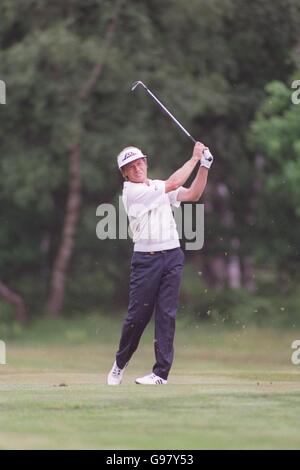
(136, 171)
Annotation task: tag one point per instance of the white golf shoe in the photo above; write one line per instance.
(151, 379)
(115, 376)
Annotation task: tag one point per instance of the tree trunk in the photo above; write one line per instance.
(248, 274)
(283, 278)
(234, 272)
(62, 260)
(16, 300)
(215, 271)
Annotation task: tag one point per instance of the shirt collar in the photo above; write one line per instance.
(128, 183)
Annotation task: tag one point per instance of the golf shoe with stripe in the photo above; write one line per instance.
(151, 379)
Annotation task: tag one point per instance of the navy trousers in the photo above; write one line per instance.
(154, 285)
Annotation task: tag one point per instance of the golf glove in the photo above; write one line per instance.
(206, 159)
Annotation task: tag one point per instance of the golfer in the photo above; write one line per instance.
(157, 259)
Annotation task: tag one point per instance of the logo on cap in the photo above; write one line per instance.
(127, 155)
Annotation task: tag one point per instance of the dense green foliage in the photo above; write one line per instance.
(276, 132)
(212, 63)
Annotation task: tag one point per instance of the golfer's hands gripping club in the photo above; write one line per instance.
(198, 151)
(203, 154)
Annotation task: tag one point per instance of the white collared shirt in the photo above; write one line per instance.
(150, 215)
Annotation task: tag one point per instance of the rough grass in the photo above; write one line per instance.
(229, 389)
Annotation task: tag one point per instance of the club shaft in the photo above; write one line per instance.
(170, 114)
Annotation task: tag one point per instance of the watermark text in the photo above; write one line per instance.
(295, 358)
(2, 352)
(296, 95)
(2, 92)
(151, 226)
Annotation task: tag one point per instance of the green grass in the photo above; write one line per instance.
(228, 389)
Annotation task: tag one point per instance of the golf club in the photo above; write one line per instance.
(136, 84)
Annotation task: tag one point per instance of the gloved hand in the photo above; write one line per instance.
(206, 159)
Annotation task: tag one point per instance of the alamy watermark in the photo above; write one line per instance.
(114, 224)
(296, 95)
(2, 92)
(2, 352)
(295, 358)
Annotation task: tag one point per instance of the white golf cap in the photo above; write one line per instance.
(129, 154)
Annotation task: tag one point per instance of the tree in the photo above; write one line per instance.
(276, 133)
(56, 295)
(209, 61)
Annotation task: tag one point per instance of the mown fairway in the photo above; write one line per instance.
(228, 389)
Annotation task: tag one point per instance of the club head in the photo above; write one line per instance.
(135, 84)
